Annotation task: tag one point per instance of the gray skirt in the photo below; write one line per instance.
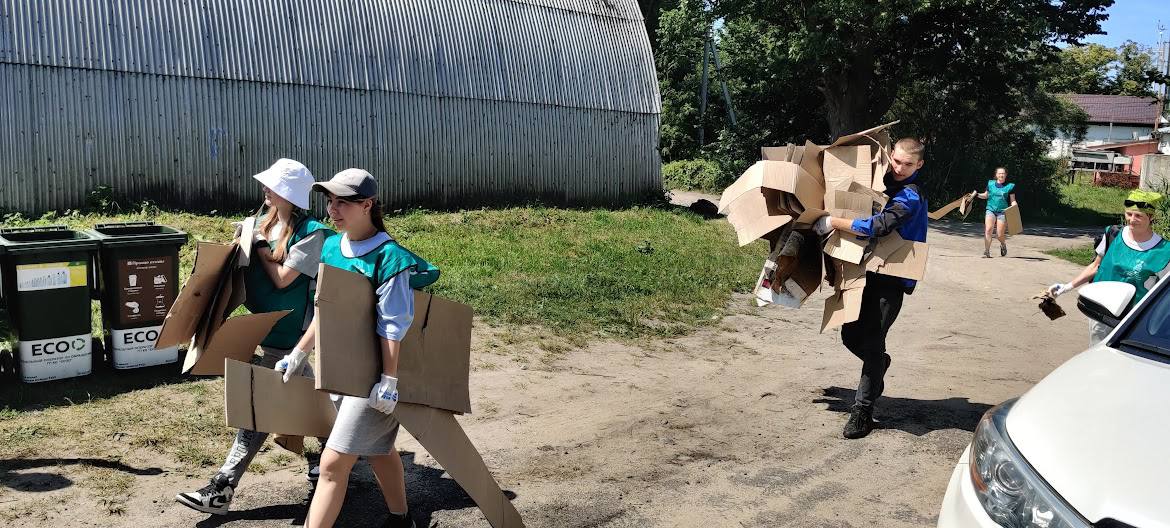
(362, 430)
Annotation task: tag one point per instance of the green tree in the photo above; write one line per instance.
(651, 12)
(1136, 72)
(1095, 69)
(865, 51)
(1081, 69)
(681, 34)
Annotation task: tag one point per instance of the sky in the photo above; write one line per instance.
(1135, 20)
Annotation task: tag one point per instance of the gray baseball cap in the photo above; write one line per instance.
(350, 183)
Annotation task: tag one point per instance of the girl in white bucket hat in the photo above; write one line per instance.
(281, 276)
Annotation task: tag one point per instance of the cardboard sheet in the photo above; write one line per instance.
(899, 258)
(755, 207)
(236, 339)
(842, 307)
(1015, 225)
(846, 165)
(445, 440)
(963, 203)
(434, 359)
(258, 399)
(845, 246)
(190, 306)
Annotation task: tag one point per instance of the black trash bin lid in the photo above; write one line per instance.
(42, 239)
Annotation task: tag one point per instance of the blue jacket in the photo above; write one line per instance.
(905, 213)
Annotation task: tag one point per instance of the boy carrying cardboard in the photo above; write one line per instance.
(906, 214)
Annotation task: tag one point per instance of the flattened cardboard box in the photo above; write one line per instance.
(434, 359)
(1015, 225)
(963, 204)
(257, 399)
(199, 315)
(753, 203)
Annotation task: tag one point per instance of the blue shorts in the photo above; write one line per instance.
(999, 216)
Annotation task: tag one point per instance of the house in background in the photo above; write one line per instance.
(1114, 119)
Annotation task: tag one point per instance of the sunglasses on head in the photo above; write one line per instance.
(1139, 205)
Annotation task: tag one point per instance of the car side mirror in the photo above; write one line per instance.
(1106, 302)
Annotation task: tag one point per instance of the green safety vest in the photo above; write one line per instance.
(381, 264)
(1140, 268)
(263, 296)
(997, 197)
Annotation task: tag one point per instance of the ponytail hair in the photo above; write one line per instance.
(376, 216)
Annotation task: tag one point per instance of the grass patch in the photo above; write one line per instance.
(633, 272)
(1080, 256)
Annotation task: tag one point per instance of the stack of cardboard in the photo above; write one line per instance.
(199, 316)
(780, 196)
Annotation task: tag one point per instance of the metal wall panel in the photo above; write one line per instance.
(450, 104)
(195, 142)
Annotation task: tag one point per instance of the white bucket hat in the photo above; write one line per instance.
(290, 180)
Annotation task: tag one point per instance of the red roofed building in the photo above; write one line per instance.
(1113, 119)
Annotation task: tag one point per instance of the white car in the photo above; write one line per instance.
(1088, 446)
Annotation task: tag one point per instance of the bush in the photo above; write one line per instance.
(695, 175)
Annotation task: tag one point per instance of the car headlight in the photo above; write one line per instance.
(1012, 493)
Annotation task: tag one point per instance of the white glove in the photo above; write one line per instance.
(292, 364)
(384, 394)
(1059, 289)
(822, 226)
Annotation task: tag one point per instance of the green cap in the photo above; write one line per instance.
(1143, 201)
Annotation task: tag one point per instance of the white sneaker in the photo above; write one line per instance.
(213, 498)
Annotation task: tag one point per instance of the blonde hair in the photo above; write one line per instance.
(286, 231)
(912, 146)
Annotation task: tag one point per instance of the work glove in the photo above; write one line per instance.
(384, 394)
(1059, 289)
(292, 364)
(822, 226)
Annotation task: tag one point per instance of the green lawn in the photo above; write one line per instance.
(555, 276)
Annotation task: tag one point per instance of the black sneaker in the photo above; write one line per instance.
(1002, 250)
(399, 521)
(860, 422)
(213, 498)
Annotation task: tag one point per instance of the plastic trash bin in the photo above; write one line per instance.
(138, 280)
(48, 277)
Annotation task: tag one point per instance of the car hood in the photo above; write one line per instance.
(1098, 430)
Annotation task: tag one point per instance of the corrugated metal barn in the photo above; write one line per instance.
(450, 103)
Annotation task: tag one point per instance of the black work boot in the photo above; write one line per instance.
(860, 422)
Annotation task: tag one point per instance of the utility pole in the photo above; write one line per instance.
(711, 55)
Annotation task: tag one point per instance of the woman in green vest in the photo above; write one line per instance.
(999, 195)
(364, 426)
(286, 252)
(1133, 254)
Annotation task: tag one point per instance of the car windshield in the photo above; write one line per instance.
(1150, 331)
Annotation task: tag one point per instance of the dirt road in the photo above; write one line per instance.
(736, 425)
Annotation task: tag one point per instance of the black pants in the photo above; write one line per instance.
(866, 337)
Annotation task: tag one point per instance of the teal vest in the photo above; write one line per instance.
(997, 197)
(1139, 268)
(263, 296)
(381, 264)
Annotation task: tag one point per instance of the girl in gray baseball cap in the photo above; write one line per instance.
(364, 426)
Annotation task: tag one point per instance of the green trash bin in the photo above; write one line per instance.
(48, 278)
(138, 281)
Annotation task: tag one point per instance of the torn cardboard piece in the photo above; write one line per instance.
(434, 359)
(846, 247)
(258, 399)
(236, 339)
(1015, 225)
(845, 165)
(963, 204)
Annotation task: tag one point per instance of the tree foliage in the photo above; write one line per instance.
(966, 75)
(1129, 69)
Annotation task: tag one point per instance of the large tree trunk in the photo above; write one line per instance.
(854, 101)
